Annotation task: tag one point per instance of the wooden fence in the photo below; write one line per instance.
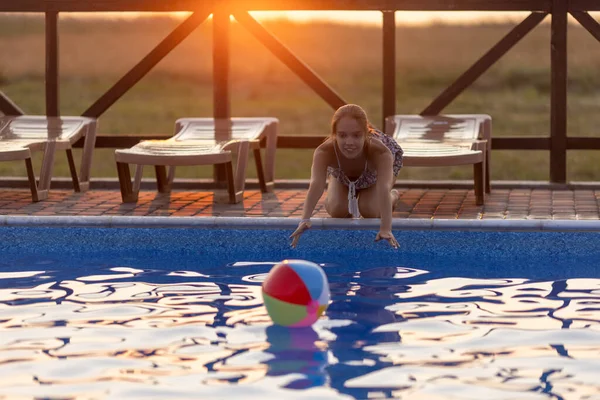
(557, 143)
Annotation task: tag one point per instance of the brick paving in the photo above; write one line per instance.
(519, 203)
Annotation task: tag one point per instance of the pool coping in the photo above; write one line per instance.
(291, 223)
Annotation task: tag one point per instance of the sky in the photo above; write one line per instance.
(358, 17)
(402, 17)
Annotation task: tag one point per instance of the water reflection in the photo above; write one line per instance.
(389, 332)
(297, 351)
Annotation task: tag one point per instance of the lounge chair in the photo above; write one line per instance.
(20, 136)
(446, 140)
(203, 141)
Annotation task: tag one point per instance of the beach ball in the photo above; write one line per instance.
(295, 293)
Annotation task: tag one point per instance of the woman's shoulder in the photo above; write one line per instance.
(325, 152)
(325, 147)
(376, 143)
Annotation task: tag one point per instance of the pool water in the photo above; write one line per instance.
(177, 313)
(389, 332)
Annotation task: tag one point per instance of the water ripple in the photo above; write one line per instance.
(390, 332)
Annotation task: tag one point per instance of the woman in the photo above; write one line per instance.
(362, 164)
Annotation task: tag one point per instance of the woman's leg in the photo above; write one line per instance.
(336, 202)
(368, 203)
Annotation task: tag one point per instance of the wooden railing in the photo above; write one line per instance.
(557, 143)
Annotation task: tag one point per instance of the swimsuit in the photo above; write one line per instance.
(367, 178)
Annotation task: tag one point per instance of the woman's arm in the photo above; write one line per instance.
(383, 188)
(318, 180)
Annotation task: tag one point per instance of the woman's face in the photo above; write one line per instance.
(350, 137)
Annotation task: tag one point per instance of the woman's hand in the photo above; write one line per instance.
(389, 236)
(303, 226)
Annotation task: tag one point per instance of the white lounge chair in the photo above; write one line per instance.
(446, 140)
(20, 136)
(203, 141)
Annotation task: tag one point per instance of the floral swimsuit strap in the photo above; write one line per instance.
(352, 199)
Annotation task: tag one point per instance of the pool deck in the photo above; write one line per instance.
(520, 201)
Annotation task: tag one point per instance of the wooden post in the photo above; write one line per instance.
(52, 98)
(221, 82)
(221, 100)
(558, 96)
(389, 65)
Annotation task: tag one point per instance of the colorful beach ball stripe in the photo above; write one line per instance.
(296, 293)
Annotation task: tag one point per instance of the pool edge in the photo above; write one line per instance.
(291, 223)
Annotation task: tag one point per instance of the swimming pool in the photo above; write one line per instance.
(150, 308)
